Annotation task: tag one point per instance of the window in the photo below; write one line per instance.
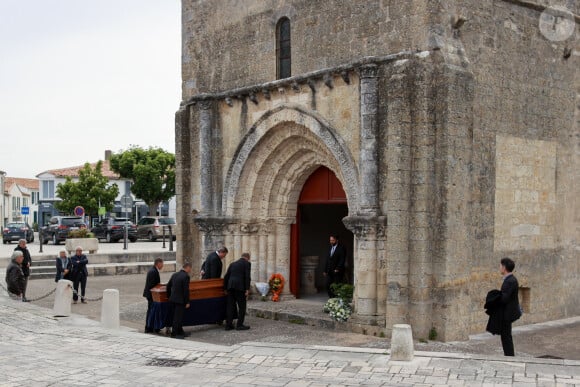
(35, 197)
(283, 49)
(48, 189)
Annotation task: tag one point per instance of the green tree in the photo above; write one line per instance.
(91, 189)
(152, 171)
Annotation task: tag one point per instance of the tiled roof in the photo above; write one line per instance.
(74, 171)
(31, 184)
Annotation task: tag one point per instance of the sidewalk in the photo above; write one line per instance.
(40, 350)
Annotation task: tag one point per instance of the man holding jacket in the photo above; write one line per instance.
(510, 304)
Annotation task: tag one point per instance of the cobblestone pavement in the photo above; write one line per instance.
(38, 349)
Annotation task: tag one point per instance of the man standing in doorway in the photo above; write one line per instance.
(334, 263)
(27, 260)
(212, 266)
(153, 279)
(510, 303)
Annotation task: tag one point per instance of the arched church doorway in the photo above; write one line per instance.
(321, 207)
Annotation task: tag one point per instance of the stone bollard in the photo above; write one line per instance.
(63, 298)
(110, 309)
(402, 343)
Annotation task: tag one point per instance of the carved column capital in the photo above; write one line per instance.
(368, 71)
(211, 225)
(366, 227)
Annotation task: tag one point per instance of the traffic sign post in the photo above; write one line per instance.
(126, 203)
(25, 210)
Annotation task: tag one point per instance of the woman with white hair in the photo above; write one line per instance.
(15, 276)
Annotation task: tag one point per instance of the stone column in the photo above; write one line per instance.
(368, 159)
(283, 250)
(206, 169)
(366, 230)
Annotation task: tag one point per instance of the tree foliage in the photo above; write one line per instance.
(152, 171)
(89, 191)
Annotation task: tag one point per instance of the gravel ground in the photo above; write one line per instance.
(556, 339)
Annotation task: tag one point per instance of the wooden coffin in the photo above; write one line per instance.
(198, 289)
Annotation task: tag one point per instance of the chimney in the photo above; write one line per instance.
(108, 155)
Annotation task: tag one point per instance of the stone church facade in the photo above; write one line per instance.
(450, 127)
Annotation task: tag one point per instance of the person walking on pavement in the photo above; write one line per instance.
(63, 266)
(237, 285)
(334, 271)
(26, 262)
(510, 303)
(178, 293)
(153, 279)
(79, 274)
(212, 266)
(15, 279)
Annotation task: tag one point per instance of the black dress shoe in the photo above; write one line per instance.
(148, 330)
(157, 330)
(242, 328)
(229, 327)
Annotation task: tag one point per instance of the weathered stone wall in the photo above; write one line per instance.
(231, 43)
(451, 158)
(525, 163)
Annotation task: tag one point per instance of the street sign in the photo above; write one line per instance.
(126, 201)
(79, 211)
(25, 210)
(102, 211)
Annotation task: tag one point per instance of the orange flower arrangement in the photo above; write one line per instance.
(276, 283)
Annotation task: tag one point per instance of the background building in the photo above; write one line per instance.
(439, 136)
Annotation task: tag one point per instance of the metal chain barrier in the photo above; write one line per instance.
(49, 293)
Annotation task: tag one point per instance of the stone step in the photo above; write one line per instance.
(145, 257)
(102, 269)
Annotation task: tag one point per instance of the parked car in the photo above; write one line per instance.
(58, 228)
(113, 229)
(17, 230)
(151, 227)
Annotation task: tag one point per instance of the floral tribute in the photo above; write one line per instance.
(276, 283)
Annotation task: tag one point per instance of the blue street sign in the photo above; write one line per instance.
(25, 210)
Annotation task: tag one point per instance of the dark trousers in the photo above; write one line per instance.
(82, 280)
(236, 303)
(25, 286)
(333, 278)
(506, 338)
(178, 311)
(149, 307)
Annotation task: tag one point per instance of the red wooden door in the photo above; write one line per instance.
(321, 187)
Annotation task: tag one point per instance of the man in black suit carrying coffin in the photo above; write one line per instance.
(153, 279)
(237, 284)
(178, 293)
(335, 261)
(212, 266)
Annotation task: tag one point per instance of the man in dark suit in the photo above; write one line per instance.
(212, 266)
(237, 284)
(510, 303)
(25, 264)
(335, 261)
(79, 274)
(153, 279)
(178, 293)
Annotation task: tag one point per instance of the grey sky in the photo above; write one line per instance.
(78, 77)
